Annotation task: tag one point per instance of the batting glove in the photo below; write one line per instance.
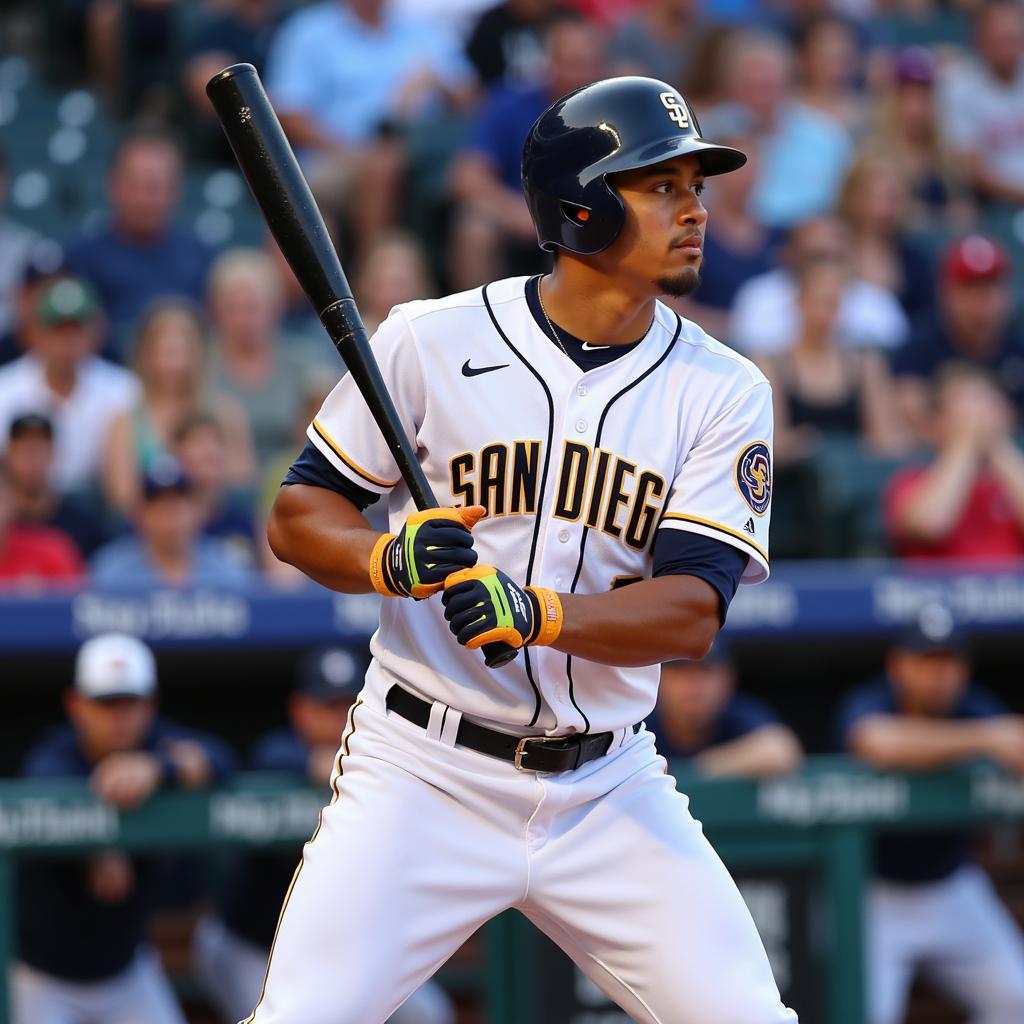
(483, 605)
(432, 545)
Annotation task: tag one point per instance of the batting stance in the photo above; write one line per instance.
(608, 468)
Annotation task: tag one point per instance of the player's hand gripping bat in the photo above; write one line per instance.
(269, 165)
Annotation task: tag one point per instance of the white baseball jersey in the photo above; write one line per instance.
(577, 471)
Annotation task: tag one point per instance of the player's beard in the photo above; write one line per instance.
(682, 283)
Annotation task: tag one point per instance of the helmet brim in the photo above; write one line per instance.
(714, 159)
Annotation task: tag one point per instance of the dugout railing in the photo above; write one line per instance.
(813, 830)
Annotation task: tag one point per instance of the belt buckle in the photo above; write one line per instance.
(521, 751)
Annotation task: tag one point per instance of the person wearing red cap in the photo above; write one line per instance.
(973, 325)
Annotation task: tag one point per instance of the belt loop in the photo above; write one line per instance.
(450, 726)
(438, 711)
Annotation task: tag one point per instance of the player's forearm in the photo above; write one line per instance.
(901, 744)
(324, 535)
(768, 751)
(645, 623)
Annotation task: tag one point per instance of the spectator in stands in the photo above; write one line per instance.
(19, 246)
(983, 104)
(43, 265)
(656, 41)
(200, 445)
(63, 378)
(249, 363)
(298, 318)
(765, 314)
(701, 718)
(230, 954)
(931, 909)
(874, 202)
(973, 325)
(492, 231)
(823, 388)
(32, 556)
(829, 71)
(507, 41)
(968, 502)
(138, 255)
(168, 549)
(36, 502)
(737, 247)
(82, 954)
(223, 33)
(804, 152)
(345, 75)
(393, 269)
(908, 127)
(169, 356)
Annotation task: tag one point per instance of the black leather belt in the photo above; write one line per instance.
(545, 754)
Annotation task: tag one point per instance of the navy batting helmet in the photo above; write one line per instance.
(614, 125)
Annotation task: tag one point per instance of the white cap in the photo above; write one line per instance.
(115, 665)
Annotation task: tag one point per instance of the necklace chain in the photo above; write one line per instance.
(551, 326)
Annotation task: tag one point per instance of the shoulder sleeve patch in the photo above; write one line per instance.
(754, 476)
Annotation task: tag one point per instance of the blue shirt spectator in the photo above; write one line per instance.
(167, 550)
(139, 255)
(503, 121)
(330, 63)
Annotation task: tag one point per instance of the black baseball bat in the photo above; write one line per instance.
(279, 187)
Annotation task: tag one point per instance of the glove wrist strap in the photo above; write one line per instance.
(549, 617)
(379, 575)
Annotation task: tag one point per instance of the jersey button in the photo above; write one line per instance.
(581, 426)
(563, 536)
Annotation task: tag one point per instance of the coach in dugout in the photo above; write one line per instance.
(931, 909)
(230, 952)
(81, 953)
(702, 719)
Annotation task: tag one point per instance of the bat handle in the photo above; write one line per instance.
(498, 654)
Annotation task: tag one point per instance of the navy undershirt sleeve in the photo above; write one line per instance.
(683, 553)
(311, 467)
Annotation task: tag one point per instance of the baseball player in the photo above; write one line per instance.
(608, 471)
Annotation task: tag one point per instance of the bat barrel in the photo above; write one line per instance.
(276, 180)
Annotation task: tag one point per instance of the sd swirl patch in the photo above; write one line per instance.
(754, 476)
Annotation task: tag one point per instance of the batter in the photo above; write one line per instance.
(608, 471)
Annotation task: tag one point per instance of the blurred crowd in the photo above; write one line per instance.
(83, 926)
(154, 386)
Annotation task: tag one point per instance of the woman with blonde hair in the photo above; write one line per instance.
(907, 127)
(250, 360)
(169, 356)
(874, 201)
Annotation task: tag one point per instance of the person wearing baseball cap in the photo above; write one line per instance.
(931, 906)
(81, 925)
(168, 549)
(63, 377)
(973, 325)
(37, 503)
(701, 718)
(230, 952)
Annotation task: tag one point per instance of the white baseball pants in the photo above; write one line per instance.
(424, 841)
(959, 934)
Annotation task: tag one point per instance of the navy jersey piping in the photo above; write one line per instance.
(543, 482)
(586, 529)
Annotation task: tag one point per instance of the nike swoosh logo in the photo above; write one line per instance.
(472, 371)
(587, 347)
